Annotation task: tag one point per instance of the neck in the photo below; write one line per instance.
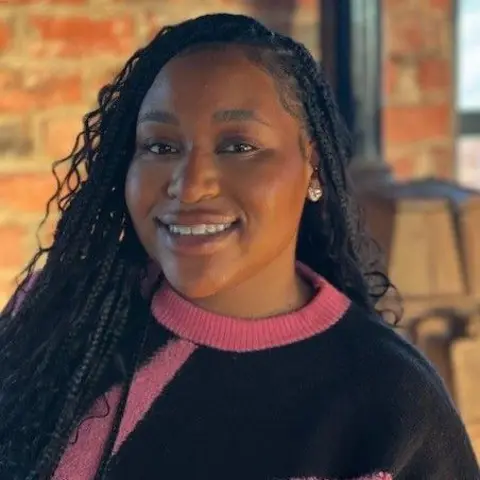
(276, 289)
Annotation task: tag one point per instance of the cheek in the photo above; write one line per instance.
(141, 191)
(278, 192)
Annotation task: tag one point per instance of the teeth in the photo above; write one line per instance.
(203, 229)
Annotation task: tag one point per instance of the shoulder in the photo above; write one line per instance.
(374, 358)
(394, 369)
(421, 429)
(371, 339)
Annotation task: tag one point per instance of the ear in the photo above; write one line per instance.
(311, 156)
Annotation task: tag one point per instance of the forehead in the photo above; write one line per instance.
(211, 79)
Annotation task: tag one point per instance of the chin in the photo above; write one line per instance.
(194, 290)
(196, 285)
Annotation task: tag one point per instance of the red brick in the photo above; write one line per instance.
(16, 138)
(390, 76)
(43, 2)
(404, 35)
(435, 74)
(154, 22)
(5, 35)
(253, 6)
(24, 91)
(389, 6)
(26, 192)
(59, 135)
(416, 123)
(45, 234)
(403, 167)
(443, 160)
(442, 5)
(309, 3)
(7, 287)
(411, 34)
(99, 78)
(12, 253)
(82, 36)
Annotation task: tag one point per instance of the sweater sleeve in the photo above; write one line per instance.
(436, 445)
(414, 429)
(431, 439)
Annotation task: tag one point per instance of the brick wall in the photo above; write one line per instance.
(55, 54)
(419, 120)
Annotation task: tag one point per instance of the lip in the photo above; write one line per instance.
(196, 244)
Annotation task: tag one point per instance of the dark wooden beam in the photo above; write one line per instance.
(335, 48)
(351, 46)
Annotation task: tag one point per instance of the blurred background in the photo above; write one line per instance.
(407, 78)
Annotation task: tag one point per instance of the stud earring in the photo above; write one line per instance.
(315, 191)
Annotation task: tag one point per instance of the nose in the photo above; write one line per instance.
(195, 178)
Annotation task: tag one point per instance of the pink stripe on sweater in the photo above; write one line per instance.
(81, 459)
(188, 321)
(22, 293)
(376, 476)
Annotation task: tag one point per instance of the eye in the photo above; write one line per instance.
(238, 147)
(161, 149)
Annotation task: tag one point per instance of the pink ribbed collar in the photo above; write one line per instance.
(201, 327)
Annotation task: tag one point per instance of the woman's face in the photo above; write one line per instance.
(218, 180)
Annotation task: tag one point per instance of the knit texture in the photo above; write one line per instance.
(324, 393)
(242, 335)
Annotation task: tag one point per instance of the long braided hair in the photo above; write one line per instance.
(57, 342)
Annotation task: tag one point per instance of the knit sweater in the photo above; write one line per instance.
(326, 392)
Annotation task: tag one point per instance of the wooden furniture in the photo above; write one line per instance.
(430, 231)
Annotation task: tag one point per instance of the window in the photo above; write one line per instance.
(468, 92)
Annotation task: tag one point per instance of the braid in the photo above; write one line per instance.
(89, 265)
(57, 343)
(96, 359)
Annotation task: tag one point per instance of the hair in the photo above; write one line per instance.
(56, 343)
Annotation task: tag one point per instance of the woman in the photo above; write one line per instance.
(206, 309)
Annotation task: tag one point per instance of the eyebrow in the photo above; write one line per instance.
(159, 116)
(236, 115)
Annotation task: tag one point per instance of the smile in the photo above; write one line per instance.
(201, 229)
(202, 238)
